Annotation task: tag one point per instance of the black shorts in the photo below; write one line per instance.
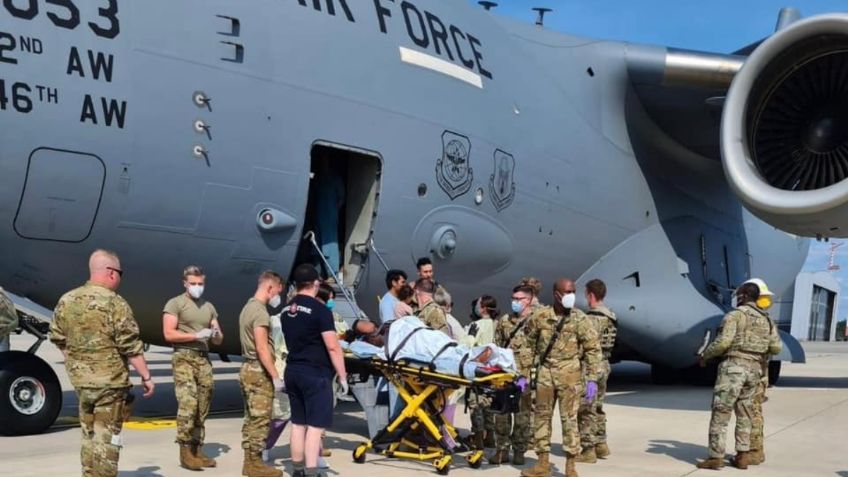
(310, 396)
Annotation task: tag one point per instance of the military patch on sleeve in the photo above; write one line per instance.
(453, 170)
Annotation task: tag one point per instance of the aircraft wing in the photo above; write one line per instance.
(27, 307)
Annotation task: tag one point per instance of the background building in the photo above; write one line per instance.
(816, 306)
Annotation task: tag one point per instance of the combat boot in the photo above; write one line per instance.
(517, 457)
(602, 450)
(741, 460)
(756, 457)
(254, 467)
(541, 469)
(205, 460)
(570, 466)
(713, 463)
(188, 460)
(500, 457)
(587, 456)
(477, 441)
(489, 440)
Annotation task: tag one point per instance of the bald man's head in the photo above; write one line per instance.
(104, 268)
(564, 285)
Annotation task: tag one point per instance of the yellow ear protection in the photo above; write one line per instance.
(764, 302)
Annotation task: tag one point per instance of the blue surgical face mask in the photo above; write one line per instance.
(331, 304)
(517, 307)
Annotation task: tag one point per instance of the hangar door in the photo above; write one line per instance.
(61, 195)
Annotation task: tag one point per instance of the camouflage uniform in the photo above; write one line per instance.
(757, 420)
(559, 378)
(434, 316)
(193, 379)
(591, 418)
(520, 423)
(8, 320)
(95, 327)
(745, 338)
(257, 389)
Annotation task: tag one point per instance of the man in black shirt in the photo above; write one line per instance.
(314, 355)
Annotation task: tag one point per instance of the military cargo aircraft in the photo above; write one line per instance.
(195, 132)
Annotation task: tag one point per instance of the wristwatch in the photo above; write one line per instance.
(149, 378)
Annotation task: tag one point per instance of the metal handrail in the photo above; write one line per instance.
(310, 236)
(379, 257)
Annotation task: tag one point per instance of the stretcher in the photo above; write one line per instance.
(419, 431)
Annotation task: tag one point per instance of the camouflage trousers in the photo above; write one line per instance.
(193, 385)
(101, 415)
(257, 391)
(564, 386)
(734, 391)
(757, 419)
(591, 417)
(482, 419)
(515, 429)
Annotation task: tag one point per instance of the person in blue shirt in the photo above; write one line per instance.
(314, 357)
(395, 280)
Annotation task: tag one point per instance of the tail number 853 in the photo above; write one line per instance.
(64, 14)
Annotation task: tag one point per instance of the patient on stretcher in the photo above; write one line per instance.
(409, 339)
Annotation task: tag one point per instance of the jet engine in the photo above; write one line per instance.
(784, 128)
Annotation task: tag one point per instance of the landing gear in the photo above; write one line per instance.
(30, 394)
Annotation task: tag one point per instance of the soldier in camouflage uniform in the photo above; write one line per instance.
(745, 338)
(430, 313)
(757, 453)
(8, 320)
(258, 377)
(511, 332)
(591, 417)
(189, 322)
(562, 339)
(95, 329)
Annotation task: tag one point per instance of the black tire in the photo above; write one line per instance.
(774, 372)
(30, 376)
(663, 375)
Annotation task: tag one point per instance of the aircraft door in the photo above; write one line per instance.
(61, 195)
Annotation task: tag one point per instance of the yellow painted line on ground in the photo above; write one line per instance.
(150, 424)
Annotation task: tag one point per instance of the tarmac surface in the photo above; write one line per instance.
(653, 430)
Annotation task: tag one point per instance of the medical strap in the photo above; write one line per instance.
(515, 332)
(401, 345)
(462, 365)
(553, 339)
(444, 348)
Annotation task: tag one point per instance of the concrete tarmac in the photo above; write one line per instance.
(653, 430)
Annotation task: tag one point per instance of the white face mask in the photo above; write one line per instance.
(196, 291)
(275, 301)
(568, 300)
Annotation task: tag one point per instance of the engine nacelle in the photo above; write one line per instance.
(784, 131)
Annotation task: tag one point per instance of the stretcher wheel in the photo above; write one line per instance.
(443, 465)
(359, 453)
(475, 460)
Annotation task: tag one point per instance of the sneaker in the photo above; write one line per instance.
(322, 464)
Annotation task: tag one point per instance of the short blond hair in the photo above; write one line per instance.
(193, 271)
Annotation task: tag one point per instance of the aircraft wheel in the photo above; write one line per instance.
(774, 372)
(359, 453)
(664, 375)
(30, 394)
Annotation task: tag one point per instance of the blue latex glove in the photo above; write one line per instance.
(591, 391)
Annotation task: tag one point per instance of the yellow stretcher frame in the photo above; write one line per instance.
(424, 393)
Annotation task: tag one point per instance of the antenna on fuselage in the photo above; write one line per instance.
(488, 5)
(540, 20)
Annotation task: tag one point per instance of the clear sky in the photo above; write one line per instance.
(708, 25)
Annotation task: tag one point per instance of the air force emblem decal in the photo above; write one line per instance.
(502, 180)
(453, 170)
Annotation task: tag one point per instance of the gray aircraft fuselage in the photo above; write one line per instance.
(529, 148)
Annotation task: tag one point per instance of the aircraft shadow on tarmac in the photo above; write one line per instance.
(149, 471)
(813, 382)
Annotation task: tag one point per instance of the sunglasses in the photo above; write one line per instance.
(116, 270)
